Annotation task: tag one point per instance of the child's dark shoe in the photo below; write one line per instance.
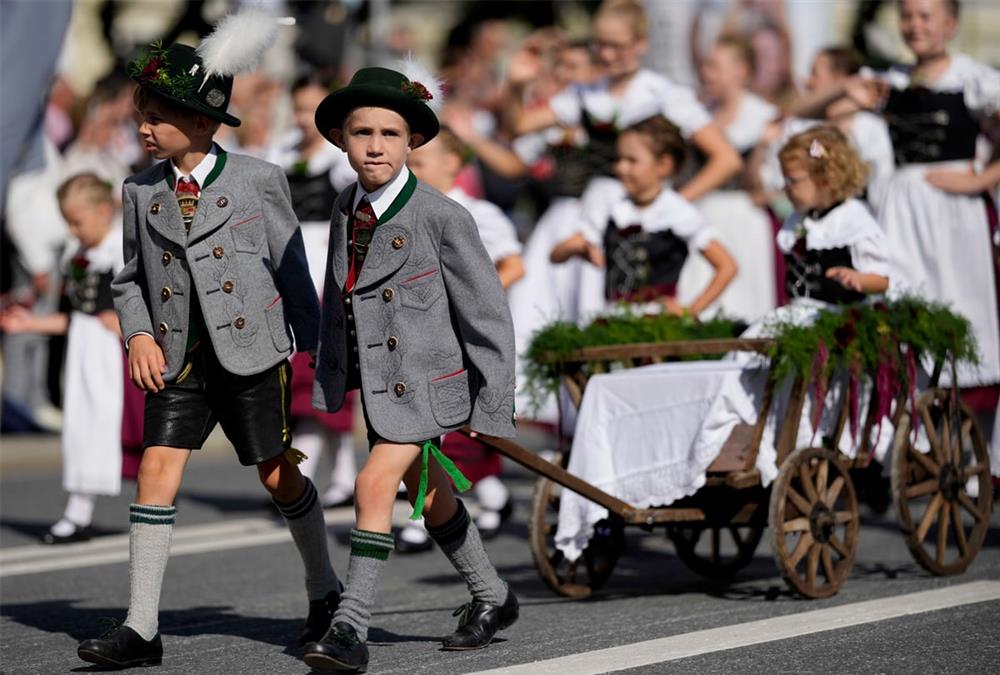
(479, 621)
(339, 650)
(65, 532)
(121, 647)
(319, 618)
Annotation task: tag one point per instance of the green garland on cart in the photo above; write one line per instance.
(552, 345)
(864, 336)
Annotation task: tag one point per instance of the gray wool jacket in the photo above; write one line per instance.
(243, 259)
(434, 333)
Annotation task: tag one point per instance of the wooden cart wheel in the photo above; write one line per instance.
(815, 520)
(943, 497)
(716, 552)
(579, 578)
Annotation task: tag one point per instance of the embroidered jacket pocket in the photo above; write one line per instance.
(451, 401)
(248, 233)
(276, 323)
(421, 290)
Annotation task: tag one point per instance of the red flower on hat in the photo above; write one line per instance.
(416, 90)
(150, 70)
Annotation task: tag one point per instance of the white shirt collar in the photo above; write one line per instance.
(201, 171)
(381, 198)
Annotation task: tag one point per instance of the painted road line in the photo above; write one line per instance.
(676, 647)
(186, 540)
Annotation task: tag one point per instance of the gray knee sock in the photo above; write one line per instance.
(369, 551)
(459, 539)
(305, 520)
(149, 547)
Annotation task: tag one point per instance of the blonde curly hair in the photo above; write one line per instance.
(830, 160)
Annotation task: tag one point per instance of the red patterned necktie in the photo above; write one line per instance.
(362, 226)
(187, 199)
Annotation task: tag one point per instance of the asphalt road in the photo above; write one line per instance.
(233, 598)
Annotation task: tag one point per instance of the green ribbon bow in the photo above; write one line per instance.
(461, 482)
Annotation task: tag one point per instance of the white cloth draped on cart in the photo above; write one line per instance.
(647, 435)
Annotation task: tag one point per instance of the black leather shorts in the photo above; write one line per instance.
(254, 410)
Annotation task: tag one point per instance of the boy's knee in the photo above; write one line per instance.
(281, 478)
(155, 468)
(371, 489)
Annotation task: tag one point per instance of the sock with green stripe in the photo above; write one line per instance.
(305, 521)
(459, 539)
(369, 551)
(148, 548)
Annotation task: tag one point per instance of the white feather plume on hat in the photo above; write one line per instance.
(418, 72)
(237, 42)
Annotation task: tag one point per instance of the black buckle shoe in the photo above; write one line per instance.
(319, 618)
(121, 647)
(339, 650)
(479, 621)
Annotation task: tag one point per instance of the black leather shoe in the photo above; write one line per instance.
(479, 621)
(78, 534)
(320, 616)
(121, 647)
(340, 649)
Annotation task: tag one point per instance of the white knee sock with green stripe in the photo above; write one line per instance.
(369, 551)
(149, 547)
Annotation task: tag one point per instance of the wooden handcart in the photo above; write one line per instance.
(943, 498)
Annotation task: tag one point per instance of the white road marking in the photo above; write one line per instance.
(186, 540)
(677, 647)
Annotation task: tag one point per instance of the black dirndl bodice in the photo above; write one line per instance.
(642, 265)
(88, 291)
(312, 196)
(930, 126)
(805, 274)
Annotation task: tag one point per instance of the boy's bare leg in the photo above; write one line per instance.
(152, 522)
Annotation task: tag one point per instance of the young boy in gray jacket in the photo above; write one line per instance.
(415, 317)
(215, 273)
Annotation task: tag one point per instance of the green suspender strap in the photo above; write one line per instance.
(461, 482)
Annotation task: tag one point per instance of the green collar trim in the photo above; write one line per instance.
(220, 163)
(400, 201)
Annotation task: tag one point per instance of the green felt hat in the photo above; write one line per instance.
(177, 74)
(381, 88)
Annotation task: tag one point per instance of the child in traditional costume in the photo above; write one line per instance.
(414, 316)
(641, 231)
(214, 277)
(94, 401)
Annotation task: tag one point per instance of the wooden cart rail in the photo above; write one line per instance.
(657, 351)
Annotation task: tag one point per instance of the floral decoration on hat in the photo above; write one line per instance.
(417, 91)
(816, 149)
(153, 68)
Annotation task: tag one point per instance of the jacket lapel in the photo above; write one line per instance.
(338, 242)
(215, 203)
(391, 242)
(162, 212)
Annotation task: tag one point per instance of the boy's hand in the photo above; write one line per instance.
(146, 363)
(846, 277)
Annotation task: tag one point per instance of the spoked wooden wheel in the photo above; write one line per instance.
(578, 578)
(814, 517)
(943, 495)
(716, 552)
